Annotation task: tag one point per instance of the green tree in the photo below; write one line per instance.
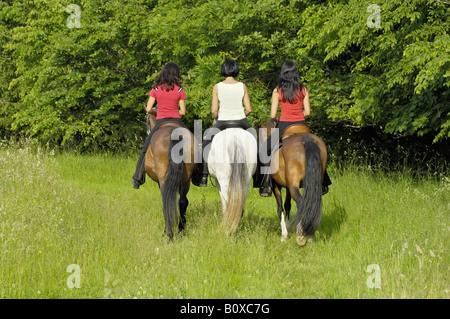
(394, 75)
(84, 87)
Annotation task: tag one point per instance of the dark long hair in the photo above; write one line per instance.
(289, 82)
(169, 75)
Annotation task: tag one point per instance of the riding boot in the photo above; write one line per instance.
(257, 175)
(256, 178)
(325, 183)
(204, 177)
(266, 183)
(200, 178)
(139, 175)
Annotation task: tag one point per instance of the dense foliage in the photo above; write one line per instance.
(77, 76)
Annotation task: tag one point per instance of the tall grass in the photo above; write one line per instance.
(59, 210)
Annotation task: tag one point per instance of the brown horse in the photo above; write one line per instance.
(301, 162)
(171, 170)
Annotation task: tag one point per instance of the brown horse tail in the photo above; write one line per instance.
(309, 206)
(235, 203)
(171, 188)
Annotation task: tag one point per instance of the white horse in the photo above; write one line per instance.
(232, 162)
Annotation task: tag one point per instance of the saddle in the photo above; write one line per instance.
(294, 129)
(233, 124)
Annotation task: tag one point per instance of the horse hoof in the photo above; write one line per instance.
(301, 240)
(283, 239)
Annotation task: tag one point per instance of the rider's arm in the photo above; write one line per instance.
(246, 99)
(182, 106)
(150, 104)
(274, 107)
(215, 102)
(306, 105)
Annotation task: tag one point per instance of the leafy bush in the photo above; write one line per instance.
(84, 87)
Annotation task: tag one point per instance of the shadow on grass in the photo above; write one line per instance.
(253, 221)
(205, 211)
(332, 221)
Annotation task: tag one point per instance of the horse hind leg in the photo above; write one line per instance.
(281, 214)
(302, 239)
(183, 203)
(294, 193)
(284, 231)
(287, 204)
(287, 210)
(279, 199)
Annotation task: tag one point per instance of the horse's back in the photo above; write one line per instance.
(289, 162)
(297, 141)
(158, 154)
(227, 144)
(294, 129)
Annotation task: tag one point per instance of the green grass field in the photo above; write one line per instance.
(67, 209)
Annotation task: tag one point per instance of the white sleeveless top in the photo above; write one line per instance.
(230, 101)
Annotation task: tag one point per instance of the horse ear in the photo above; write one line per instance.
(143, 106)
(255, 125)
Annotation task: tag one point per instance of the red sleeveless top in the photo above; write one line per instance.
(292, 112)
(168, 101)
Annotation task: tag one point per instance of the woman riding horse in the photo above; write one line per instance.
(293, 98)
(169, 95)
(227, 109)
